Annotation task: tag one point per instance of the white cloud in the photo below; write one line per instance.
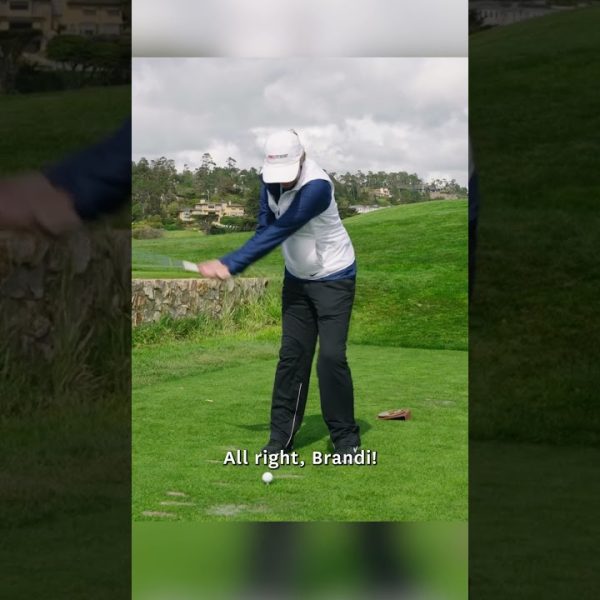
(368, 114)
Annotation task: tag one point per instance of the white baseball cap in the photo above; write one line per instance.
(283, 151)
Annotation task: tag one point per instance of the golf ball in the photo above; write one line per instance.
(267, 477)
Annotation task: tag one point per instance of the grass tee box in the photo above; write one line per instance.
(194, 403)
(203, 390)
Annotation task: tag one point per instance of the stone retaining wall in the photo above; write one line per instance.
(177, 298)
(61, 294)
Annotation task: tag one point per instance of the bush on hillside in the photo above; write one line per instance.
(235, 221)
(174, 226)
(151, 221)
(146, 233)
(217, 230)
(30, 79)
(239, 223)
(346, 211)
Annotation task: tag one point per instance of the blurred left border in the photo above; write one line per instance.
(65, 186)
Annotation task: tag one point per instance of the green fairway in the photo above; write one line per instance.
(194, 402)
(534, 348)
(202, 389)
(57, 123)
(532, 510)
(412, 278)
(534, 120)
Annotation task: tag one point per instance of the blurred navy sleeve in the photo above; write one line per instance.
(310, 201)
(265, 214)
(98, 178)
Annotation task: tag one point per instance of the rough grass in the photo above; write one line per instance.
(534, 120)
(260, 317)
(534, 512)
(533, 346)
(46, 126)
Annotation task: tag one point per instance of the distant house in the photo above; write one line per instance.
(363, 208)
(382, 192)
(28, 15)
(185, 215)
(90, 17)
(421, 188)
(496, 12)
(49, 17)
(233, 210)
(215, 209)
(443, 196)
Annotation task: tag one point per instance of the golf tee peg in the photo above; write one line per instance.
(190, 266)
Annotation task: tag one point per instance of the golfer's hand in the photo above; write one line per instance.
(214, 269)
(30, 201)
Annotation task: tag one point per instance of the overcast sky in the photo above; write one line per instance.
(388, 114)
(280, 28)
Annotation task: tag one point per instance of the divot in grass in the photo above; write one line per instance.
(226, 510)
(157, 513)
(432, 402)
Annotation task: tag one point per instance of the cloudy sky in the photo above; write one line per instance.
(280, 28)
(389, 114)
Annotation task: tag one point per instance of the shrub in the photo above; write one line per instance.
(174, 226)
(216, 230)
(30, 79)
(235, 221)
(146, 233)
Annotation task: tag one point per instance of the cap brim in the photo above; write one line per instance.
(280, 173)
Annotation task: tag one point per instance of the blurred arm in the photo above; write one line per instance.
(98, 178)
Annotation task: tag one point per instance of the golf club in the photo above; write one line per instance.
(149, 259)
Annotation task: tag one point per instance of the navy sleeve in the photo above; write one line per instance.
(310, 201)
(265, 214)
(98, 178)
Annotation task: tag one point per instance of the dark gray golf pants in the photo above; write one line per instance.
(311, 310)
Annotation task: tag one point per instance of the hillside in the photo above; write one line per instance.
(533, 373)
(411, 287)
(534, 122)
(52, 124)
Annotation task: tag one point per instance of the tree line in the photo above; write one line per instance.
(160, 191)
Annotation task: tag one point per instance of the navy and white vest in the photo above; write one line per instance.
(322, 247)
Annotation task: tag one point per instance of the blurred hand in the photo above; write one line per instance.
(30, 201)
(214, 269)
